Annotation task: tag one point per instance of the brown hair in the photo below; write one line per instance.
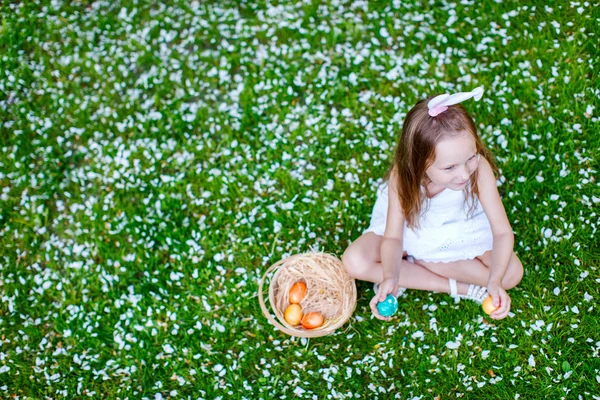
(416, 152)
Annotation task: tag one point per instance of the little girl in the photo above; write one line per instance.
(438, 223)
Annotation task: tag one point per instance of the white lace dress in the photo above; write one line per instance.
(446, 233)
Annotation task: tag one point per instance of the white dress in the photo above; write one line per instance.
(446, 233)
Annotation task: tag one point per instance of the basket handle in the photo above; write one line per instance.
(267, 313)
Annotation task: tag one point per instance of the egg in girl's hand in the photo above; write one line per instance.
(488, 305)
(388, 307)
(297, 292)
(293, 314)
(313, 320)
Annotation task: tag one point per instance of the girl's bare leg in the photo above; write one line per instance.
(363, 261)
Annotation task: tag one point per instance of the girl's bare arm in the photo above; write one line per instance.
(391, 245)
(501, 229)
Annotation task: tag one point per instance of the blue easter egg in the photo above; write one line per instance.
(388, 307)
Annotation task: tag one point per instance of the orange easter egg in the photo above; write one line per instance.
(313, 320)
(293, 314)
(297, 292)
(488, 306)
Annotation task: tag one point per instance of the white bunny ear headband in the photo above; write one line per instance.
(440, 103)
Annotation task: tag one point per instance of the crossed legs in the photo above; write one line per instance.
(362, 261)
(477, 270)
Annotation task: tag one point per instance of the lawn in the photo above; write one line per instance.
(157, 159)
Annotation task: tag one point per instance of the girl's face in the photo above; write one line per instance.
(456, 159)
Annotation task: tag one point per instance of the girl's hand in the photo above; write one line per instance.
(500, 299)
(386, 287)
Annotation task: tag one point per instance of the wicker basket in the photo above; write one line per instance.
(330, 291)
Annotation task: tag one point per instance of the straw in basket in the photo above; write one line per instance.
(330, 291)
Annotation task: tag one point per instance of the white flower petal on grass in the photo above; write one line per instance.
(352, 79)
(531, 361)
(167, 348)
(276, 227)
(451, 20)
(418, 335)
(556, 291)
(287, 206)
(221, 370)
(453, 345)
(588, 111)
(568, 374)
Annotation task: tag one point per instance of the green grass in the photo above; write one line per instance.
(147, 158)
